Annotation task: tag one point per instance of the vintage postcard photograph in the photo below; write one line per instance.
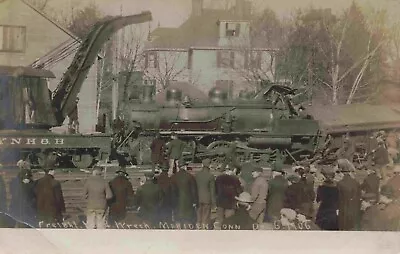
(200, 115)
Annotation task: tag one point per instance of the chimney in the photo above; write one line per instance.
(197, 7)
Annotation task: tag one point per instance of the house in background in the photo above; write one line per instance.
(212, 48)
(28, 37)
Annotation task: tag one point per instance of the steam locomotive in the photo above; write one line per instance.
(262, 128)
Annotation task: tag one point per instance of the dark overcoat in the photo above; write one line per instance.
(23, 201)
(149, 198)
(328, 197)
(122, 191)
(241, 220)
(349, 203)
(276, 195)
(49, 199)
(157, 151)
(165, 212)
(185, 195)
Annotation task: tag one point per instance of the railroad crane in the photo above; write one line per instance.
(29, 110)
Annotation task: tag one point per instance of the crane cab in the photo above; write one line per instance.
(25, 99)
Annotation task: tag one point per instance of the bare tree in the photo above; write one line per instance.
(165, 66)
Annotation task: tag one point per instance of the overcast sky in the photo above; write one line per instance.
(172, 13)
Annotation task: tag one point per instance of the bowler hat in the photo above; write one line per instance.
(244, 197)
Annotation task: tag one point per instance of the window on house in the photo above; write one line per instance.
(253, 60)
(151, 60)
(232, 29)
(12, 38)
(225, 59)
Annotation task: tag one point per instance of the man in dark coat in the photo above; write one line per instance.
(23, 200)
(385, 215)
(349, 199)
(175, 150)
(148, 198)
(157, 151)
(241, 220)
(122, 191)
(227, 187)
(276, 194)
(370, 186)
(381, 158)
(308, 197)
(185, 193)
(164, 181)
(49, 198)
(206, 190)
(4, 220)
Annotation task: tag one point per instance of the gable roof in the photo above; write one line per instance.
(200, 30)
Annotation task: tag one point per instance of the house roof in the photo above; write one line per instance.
(200, 30)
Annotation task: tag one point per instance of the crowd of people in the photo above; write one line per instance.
(240, 196)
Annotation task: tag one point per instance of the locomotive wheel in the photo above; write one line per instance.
(82, 161)
(218, 149)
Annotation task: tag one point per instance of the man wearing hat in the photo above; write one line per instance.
(241, 220)
(23, 200)
(328, 197)
(157, 151)
(164, 181)
(49, 197)
(295, 193)
(259, 191)
(381, 158)
(97, 192)
(206, 191)
(175, 150)
(370, 186)
(227, 187)
(349, 198)
(122, 191)
(276, 193)
(185, 194)
(149, 198)
(385, 215)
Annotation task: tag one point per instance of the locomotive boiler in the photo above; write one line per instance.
(261, 128)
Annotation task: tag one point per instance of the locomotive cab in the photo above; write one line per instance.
(25, 99)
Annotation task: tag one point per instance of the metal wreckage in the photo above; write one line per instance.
(264, 128)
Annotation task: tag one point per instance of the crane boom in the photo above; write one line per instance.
(64, 96)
